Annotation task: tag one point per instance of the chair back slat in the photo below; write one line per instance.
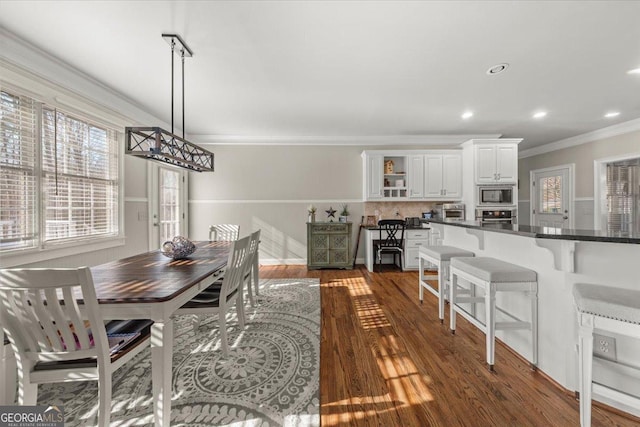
(72, 311)
(234, 272)
(224, 232)
(252, 253)
(41, 316)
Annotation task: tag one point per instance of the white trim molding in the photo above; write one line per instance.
(136, 199)
(352, 140)
(269, 201)
(608, 132)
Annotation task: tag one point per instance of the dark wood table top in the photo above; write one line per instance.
(152, 277)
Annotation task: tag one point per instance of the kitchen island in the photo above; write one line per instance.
(561, 258)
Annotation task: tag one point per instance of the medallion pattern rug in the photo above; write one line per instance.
(271, 377)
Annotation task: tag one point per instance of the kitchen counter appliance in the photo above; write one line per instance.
(495, 195)
(450, 211)
(501, 216)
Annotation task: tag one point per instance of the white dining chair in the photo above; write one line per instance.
(221, 296)
(53, 341)
(251, 273)
(224, 232)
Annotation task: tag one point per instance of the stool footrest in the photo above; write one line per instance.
(513, 325)
(429, 287)
(468, 300)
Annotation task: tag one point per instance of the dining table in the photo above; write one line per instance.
(153, 286)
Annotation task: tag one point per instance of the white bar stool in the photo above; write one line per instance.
(493, 276)
(440, 256)
(607, 309)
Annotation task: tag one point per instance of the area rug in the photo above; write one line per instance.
(271, 377)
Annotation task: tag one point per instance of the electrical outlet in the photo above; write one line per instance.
(604, 346)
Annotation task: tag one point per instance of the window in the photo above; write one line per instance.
(73, 168)
(18, 159)
(551, 194)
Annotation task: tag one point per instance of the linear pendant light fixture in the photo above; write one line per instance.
(155, 143)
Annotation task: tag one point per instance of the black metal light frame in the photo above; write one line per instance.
(158, 144)
(155, 143)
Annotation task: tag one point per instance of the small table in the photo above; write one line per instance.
(152, 286)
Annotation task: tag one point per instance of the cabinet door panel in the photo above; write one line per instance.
(452, 175)
(486, 163)
(416, 177)
(433, 176)
(374, 177)
(507, 163)
(411, 259)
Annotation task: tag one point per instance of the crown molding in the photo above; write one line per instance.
(357, 140)
(608, 132)
(19, 55)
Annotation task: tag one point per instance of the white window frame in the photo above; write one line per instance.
(76, 107)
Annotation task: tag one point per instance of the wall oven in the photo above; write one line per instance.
(496, 195)
(497, 216)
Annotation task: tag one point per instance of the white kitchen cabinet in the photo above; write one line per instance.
(412, 175)
(443, 176)
(496, 163)
(416, 177)
(413, 240)
(373, 177)
(380, 183)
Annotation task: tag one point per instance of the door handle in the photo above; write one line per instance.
(565, 217)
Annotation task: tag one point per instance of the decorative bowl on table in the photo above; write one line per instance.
(178, 248)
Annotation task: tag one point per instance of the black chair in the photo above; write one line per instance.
(391, 239)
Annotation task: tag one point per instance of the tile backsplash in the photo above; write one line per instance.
(401, 210)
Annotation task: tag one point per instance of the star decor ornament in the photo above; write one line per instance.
(331, 212)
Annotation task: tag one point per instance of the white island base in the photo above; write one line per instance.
(560, 264)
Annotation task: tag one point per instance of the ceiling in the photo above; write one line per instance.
(272, 70)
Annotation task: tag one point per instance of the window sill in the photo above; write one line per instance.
(30, 256)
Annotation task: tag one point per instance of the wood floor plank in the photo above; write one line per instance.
(386, 360)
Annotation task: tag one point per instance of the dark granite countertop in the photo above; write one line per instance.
(547, 232)
(409, 227)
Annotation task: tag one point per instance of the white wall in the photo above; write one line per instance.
(270, 187)
(583, 157)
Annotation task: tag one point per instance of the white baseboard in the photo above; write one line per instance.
(293, 261)
(616, 399)
(279, 261)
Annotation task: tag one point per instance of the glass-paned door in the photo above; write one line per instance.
(551, 198)
(167, 204)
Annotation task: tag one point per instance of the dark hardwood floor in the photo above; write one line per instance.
(386, 360)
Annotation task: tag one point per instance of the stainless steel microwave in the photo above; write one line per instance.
(496, 195)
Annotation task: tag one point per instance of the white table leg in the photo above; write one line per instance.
(161, 368)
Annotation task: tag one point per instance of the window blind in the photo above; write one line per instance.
(79, 178)
(18, 162)
(623, 196)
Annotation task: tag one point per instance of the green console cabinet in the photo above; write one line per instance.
(329, 245)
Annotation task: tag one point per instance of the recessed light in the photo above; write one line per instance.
(634, 71)
(539, 114)
(467, 115)
(497, 69)
(611, 114)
